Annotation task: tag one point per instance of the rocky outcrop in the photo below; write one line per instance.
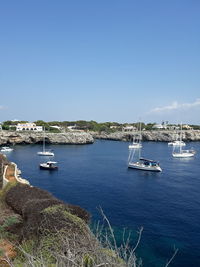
(8, 137)
(161, 136)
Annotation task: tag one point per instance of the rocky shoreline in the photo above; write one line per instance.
(9, 137)
(157, 136)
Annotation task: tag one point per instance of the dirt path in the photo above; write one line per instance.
(10, 173)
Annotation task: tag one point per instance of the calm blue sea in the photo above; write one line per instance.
(166, 204)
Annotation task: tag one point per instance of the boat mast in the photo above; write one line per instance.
(140, 137)
(180, 147)
(44, 139)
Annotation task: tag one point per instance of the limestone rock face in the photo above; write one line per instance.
(7, 137)
(161, 136)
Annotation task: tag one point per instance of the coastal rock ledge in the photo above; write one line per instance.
(160, 136)
(8, 137)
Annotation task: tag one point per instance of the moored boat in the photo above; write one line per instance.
(182, 153)
(45, 152)
(187, 153)
(6, 149)
(135, 161)
(145, 165)
(49, 165)
(177, 143)
(135, 145)
(136, 140)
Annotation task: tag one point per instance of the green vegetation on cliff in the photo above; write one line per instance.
(39, 230)
(44, 231)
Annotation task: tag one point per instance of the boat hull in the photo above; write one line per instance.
(183, 155)
(49, 165)
(176, 144)
(48, 168)
(45, 153)
(135, 146)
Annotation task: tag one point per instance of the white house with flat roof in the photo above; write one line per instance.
(28, 127)
(159, 126)
(128, 128)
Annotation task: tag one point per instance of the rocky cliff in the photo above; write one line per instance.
(8, 137)
(162, 136)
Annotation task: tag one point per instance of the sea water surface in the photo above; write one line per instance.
(166, 204)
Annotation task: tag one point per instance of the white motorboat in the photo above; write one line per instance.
(145, 165)
(45, 152)
(6, 149)
(49, 165)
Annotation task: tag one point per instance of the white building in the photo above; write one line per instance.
(159, 126)
(173, 127)
(128, 128)
(28, 127)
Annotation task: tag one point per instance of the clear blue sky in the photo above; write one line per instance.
(103, 60)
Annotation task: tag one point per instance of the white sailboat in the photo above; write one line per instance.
(135, 161)
(145, 165)
(45, 152)
(178, 152)
(177, 142)
(136, 140)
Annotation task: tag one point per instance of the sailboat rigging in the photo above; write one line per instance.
(135, 161)
(45, 152)
(176, 142)
(136, 140)
(182, 153)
